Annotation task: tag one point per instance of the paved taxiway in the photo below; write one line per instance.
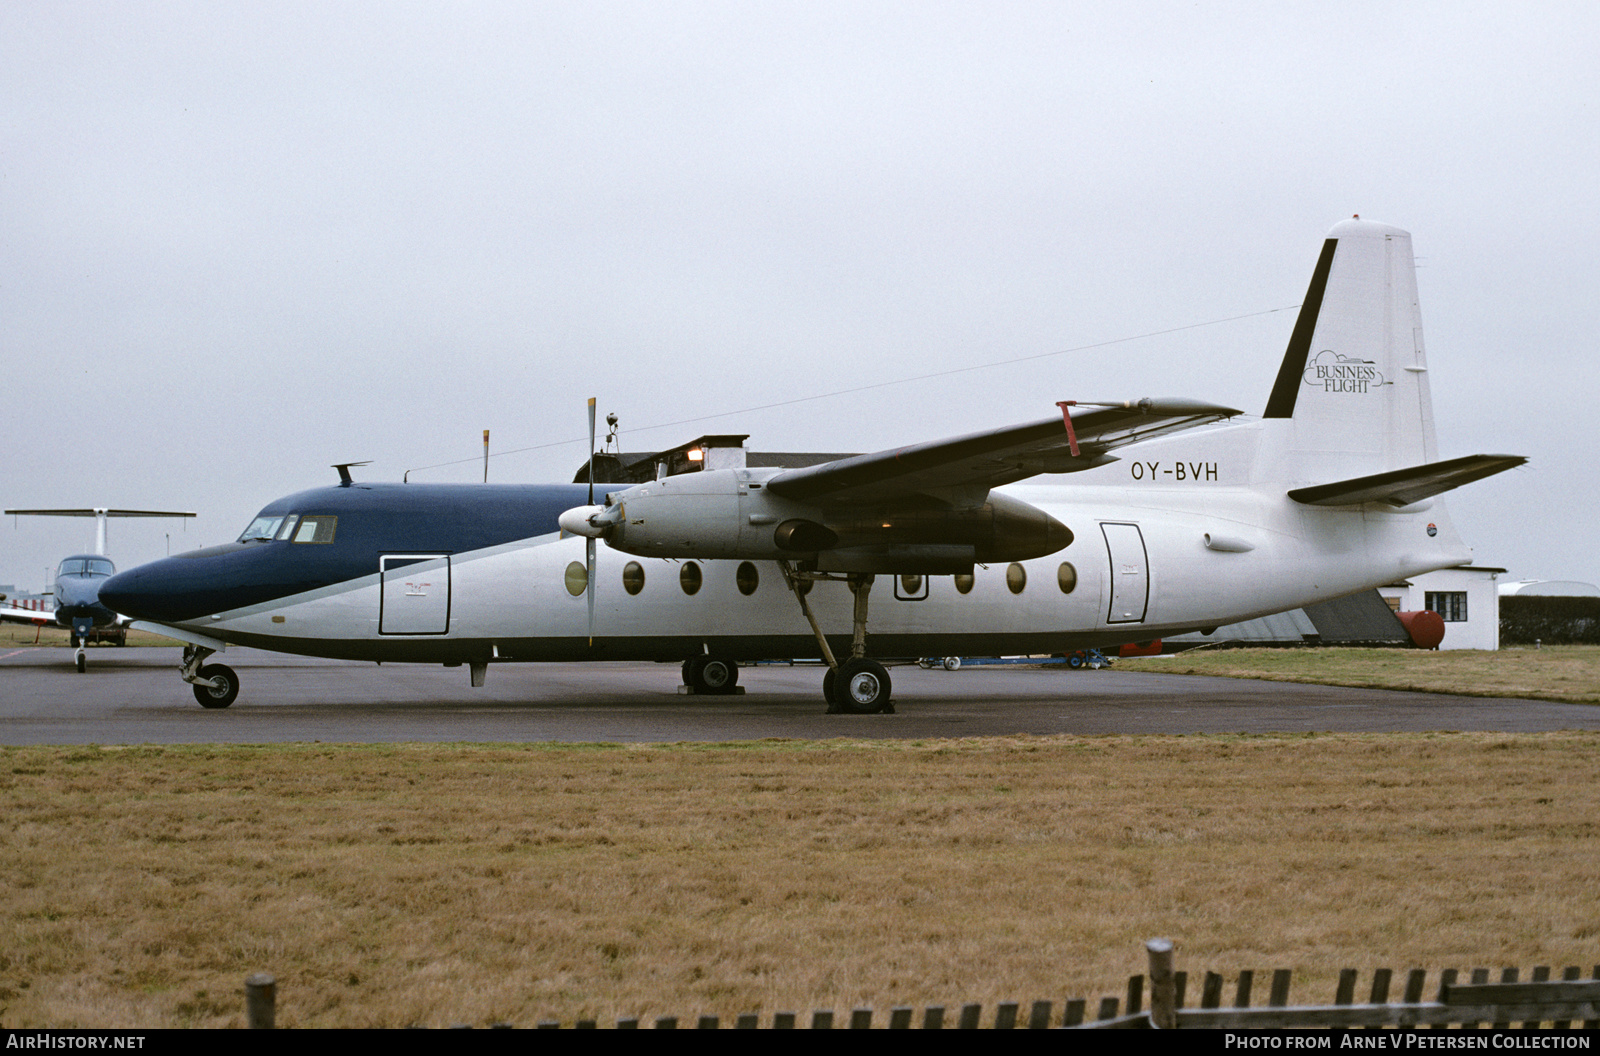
(134, 696)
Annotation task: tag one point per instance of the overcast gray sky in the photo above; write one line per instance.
(241, 242)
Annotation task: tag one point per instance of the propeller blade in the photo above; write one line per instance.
(588, 545)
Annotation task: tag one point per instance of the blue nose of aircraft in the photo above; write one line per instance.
(165, 591)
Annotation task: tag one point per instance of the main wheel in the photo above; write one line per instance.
(226, 690)
(82, 661)
(862, 686)
(712, 675)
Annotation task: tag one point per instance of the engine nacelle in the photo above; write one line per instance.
(730, 514)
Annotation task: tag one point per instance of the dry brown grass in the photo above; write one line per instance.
(390, 885)
(17, 634)
(1566, 673)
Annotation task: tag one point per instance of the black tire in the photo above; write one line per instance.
(227, 688)
(829, 679)
(862, 687)
(82, 663)
(711, 675)
(1075, 661)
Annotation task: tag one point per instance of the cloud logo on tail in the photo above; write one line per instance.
(1331, 372)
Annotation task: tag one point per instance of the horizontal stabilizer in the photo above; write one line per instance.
(1401, 487)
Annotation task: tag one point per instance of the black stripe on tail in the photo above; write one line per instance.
(1281, 403)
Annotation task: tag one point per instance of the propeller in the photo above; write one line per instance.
(589, 540)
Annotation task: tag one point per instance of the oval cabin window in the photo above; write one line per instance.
(1067, 577)
(689, 578)
(964, 583)
(1016, 578)
(577, 579)
(633, 577)
(747, 578)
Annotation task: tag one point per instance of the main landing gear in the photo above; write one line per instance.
(215, 685)
(858, 686)
(711, 675)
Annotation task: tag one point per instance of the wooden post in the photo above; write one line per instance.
(1163, 1006)
(260, 1001)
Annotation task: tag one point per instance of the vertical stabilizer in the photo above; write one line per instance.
(1354, 381)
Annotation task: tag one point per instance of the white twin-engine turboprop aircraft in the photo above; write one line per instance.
(1201, 518)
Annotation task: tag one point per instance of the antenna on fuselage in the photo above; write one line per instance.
(345, 479)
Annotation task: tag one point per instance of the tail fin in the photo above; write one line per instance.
(1354, 381)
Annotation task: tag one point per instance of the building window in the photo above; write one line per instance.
(1450, 604)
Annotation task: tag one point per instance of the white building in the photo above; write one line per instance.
(1467, 596)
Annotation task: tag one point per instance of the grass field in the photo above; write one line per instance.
(392, 885)
(16, 634)
(1567, 673)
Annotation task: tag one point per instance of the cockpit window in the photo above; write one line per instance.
(288, 526)
(261, 529)
(86, 566)
(315, 528)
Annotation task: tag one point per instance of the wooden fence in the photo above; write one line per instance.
(1564, 1003)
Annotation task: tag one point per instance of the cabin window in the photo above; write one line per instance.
(1450, 604)
(315, 528)
(964, 583)
(1016, 578)
(911, 585)
(747, 578)
(1067, 577)
(689, 579)
(577, 579)
(633, 577)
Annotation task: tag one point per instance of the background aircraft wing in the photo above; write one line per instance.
(9, 613)
(980, 461)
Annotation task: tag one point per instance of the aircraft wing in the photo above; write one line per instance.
(1401, 487)
(10, 613)
(980, 461)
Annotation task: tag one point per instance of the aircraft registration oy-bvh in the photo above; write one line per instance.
(1194, 516)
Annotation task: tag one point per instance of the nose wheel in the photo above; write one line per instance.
(215, 685)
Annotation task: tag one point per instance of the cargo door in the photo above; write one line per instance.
(1130, 573)
(414, 596)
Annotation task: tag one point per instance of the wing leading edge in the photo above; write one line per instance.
(989, 459)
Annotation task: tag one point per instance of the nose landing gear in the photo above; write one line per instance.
(215, 685)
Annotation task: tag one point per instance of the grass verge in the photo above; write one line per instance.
(1565, 673)
(424, 884)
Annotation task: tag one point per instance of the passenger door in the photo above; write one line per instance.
(1130, 573)
(414, 594)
